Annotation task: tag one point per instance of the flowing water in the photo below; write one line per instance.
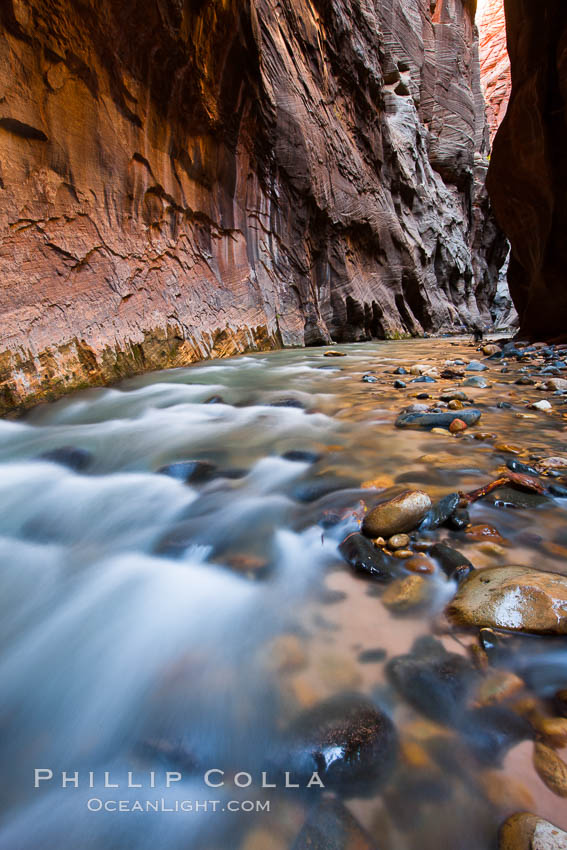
(149, 625)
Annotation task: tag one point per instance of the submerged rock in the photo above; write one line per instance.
(514, 598)
(510, 497)
(349, 742)
(330, 826)
(434, 681)
(369, 559)
(397, 516)
(443, 419)
(70, 456)
(189, 471)
(524, 831)
(406, 594)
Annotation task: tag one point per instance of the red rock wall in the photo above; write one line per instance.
(527, 178)
(494, 62)
(183, 179)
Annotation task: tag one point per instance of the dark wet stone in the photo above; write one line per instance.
(423, 396)
(432, 680)
(459, 519)
(492, 730)
(525, 382)
(400, 371)
(558, 490)
(69, 456)
(330, 826)
(372, 656)
(349, 742)
(522, 468)
(424, 379)
(189, 471)
(313, 489)
(288, 402)
(508, 497)
(440, 512)
(370, 379)
(364, 557)
(476, 366)
(437, 420)
(504, 405)
(215, 399)
(538, 659)
(399, 385)
(302, 456)
(453, 563)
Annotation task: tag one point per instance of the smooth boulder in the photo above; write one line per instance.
(397, 516)
(512, 598)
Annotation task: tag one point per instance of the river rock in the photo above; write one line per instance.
(398, 541)
(476, 366)
(427, 419)
(510, 497)
(189, 471)
(544, 404)
(440, 512)
(521, 468)
(524, 831)
(364, 557)
(434, 681)
(70, 456)
(454, 564)
(349, 741)
(459, 519)
(551, 769)
(406, 594)
(397, 516)
(492, 730)
(333, 353)
(556, 384)
(302, 456)
(330, 826)
(400, 385)
(514, 598)
(479, 383)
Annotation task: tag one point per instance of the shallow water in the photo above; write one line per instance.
(151, 625)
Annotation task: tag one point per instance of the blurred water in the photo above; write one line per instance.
(137, 612)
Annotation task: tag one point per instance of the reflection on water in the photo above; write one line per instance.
(151, 625)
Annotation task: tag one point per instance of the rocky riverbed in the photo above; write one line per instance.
(348, 563)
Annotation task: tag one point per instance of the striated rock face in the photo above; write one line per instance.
(527, 178)
(183, 179)
(494, 63)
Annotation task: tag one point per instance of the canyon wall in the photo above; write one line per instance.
(494, 63)
(527, 178)
(183, 179)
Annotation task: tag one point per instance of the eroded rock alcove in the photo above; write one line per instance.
(188, 179)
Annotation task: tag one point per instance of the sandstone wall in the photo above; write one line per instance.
(494, 63)
(528, 169)
(183, 179)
